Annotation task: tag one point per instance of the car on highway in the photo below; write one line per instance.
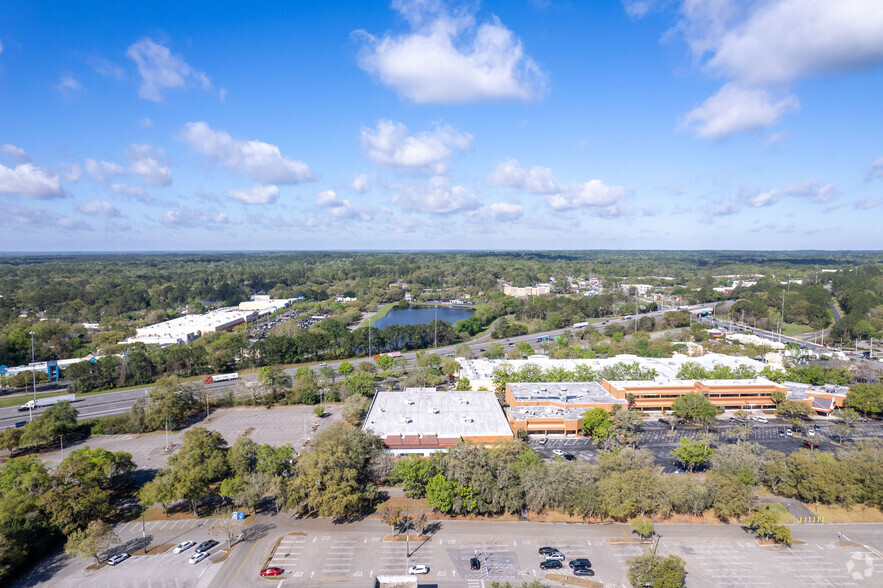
(580, 562)
(206, 545)
(558, 451)
(583, 571)
(197, 557)
(115, 559)
(270, 572)
(184, 546)
(547, 550)
(474, 564)
(417, 570)
(550, 564)
(811, 444)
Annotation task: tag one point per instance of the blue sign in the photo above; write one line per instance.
(238, 515)
(3, 369)
(93, 360)
(52, 370)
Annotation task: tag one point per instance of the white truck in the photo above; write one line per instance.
(580, 325)
(220, 378)
(44, 402)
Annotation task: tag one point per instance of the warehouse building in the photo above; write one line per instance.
(423, 420)
(187, 328)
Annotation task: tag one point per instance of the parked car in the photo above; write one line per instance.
(583, 571)
(569, 456)
(550, 564)
(817, 427)
(781, 432)
(206, 545)
(811, 432)
(184, 546)
(558, 451)
(197, 557)
(270, 572)
(580, 562)
(114, 560)
(557, 555)
(544, 440)
(416, 570)
(789, 432)
(474, 564)
(810, 443)
(547, 550)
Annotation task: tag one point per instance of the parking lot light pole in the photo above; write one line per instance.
(33, 368)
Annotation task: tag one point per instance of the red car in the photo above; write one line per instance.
(271, 572)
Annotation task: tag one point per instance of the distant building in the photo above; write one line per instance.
(538, 290)
(423, 420)
(265, 304)
(641, 289)
(187, 328)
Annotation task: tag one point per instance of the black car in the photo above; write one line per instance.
(569, 456)
(580, 562)
(474, 564)
(550, 564)
(583, 571)
(205, 546)
(548, 550)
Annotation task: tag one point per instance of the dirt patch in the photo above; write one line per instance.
(771, 543)
(247, 432)
(387, 538)
(412, 504)
(574, 581)
(156, 549)
(297, 534)
(625, 540)
(856, 514)
(848, 544)
(225, 553)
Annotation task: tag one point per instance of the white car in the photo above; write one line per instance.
(558, 451)
(544, 440)
(789, 432)
(197, 557)
(415, 570)
(112, 561)
(811, 433)
(184, 546)
(759, 419)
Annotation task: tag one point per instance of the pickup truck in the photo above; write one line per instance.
(44, 402)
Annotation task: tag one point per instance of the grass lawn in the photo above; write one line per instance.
(785, 517)
(793, 329)
(856, 514)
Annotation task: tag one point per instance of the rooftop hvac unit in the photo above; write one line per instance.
(434, 411)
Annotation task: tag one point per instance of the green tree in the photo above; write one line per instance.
(241, 456)
(692, 454)
(696, 408)
(274, 460)
(98, 536)
(866, 398)
(360, 383)
(319, 411)
(58, 420)
(200, 462)
(158, 490)
(495, 351)
(657, 571)
(413, 474)
(274, 378)
(355, 408)
(765, 523)
(450, 366)
(384, 362)
(643, 527)
(463, 385)
(463, 350)
(170, 403)
(597, 424)
(328, 374)
(793, 409)
(345, 368)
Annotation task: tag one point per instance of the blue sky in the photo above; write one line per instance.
(660, 124)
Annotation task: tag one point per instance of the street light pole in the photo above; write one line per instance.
(34, 368)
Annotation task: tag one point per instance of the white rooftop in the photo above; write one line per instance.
(426, 411)
(185, 328)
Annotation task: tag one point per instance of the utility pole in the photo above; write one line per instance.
(369, 338)
(34, 368)
(435, 322)
(783, 308)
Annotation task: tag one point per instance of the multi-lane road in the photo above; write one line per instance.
(119, 402)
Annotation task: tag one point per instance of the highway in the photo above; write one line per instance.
(120, 402)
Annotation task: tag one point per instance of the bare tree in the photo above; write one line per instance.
(224, 525)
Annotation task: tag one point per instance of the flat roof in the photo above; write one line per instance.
(563, 392)
(427, 411)
(523, 413)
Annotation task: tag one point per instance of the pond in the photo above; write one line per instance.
(422, 315)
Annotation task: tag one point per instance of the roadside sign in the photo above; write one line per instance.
(238, 515)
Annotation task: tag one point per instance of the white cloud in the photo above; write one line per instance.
(14, 154)
(536, 180)
(734, 109)
(604, 200)
(105, 68)
(436, 196)
(812, 189)
(876, 169)
(146, 122)
(328, 198)
(68, 85)
(341, 208)
(144, 160)
(673, 188)
(639, 8)
(194, 218)
(101, 171)
(763, 45)
(72, 172)
(499, 212)
(254, 159)
(132, 192)
(18, 216)
(70, 224)
(256, 194)
(389, 146)
(99, 207)
(724, 209)
(160, 69)
(447, 58)
(867, 203)
(361, 183)
(30, 181)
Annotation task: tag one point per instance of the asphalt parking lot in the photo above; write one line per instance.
(276, 426)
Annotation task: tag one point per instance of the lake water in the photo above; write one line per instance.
(422, 315)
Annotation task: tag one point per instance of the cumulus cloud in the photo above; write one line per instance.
(361, 183)
(255, 195)
(68, 85)
(254, 159)
(498, 212)
(70, 224)
(390, 146)
(342, 208)
(814, 190)
(436, 196)
(194, 218)
(29, 180)
(132, 192)
(448, 58)
(144, 160)
(867, 203)
(72, 172)
(106, 68)
(734, 109)
(724, 209)
(876, 169)
(102, 171)
(536, 180)
(14, 154)
(160, 70)
(99, 207)
(763, 46)
(639, 8)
